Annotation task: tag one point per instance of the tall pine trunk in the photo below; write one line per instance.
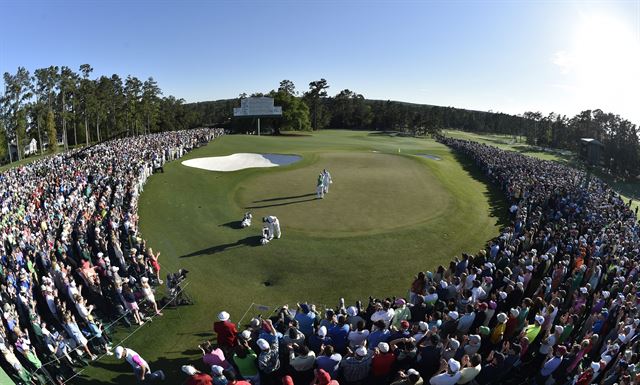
(86, 129)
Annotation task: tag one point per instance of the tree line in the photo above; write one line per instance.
(59, 107)
(316, 109)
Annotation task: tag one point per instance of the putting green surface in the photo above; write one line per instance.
(388, 215)
(368, 195)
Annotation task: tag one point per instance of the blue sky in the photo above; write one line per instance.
(509, 56)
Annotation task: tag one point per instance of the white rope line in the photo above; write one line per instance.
(66, 381)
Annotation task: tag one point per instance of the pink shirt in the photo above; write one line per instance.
(216, 357)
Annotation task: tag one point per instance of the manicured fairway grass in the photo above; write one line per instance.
(388, 215)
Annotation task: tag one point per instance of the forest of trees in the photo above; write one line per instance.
(57, 106)
(350, 110)
(68, 108)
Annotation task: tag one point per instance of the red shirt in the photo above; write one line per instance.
(381, 364)
(200, 379)
(226, 332)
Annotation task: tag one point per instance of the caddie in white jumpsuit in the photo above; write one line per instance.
(273, 224)
(326, 180)
(320, 186)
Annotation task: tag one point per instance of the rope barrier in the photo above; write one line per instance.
(170, 301)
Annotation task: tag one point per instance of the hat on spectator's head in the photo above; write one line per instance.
(223, 316)
(304, 307)
(584, 290)
(492, 305)
(322, 331)
(246, 335)
(352, 311)
(502, 318)
(484, 330)
(404, 324)
(539, 319)
(474, 339)
(216, 370)
(423, 326)
(559, 329)
(384, 347)
(515, 312)
(454, 365)
(413, 372)
(361, 351)
(263, 344)
(254, 323)
(605, 294)
(189, 370)
(119, 351)
(454, 344)
(453, 315)
(400, 302)
(595, 366)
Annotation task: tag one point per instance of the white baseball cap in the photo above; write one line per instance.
(189, 370)
(263, 344)
(454, 365)
(119, 352)
(361, 351)
(216, 370)
(384, 347)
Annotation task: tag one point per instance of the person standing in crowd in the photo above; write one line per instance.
(196, 377)
(226, 332)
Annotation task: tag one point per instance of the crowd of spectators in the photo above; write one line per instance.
(72, 259)
(552, 300)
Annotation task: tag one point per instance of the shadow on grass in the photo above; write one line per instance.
(293, 134)
(170, 366)
(248, 241)
(497, 203)
(282, 204)
(392, 134)
(284, 198)
(233, 225)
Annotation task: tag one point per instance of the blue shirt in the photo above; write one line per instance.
(328, 364)
(339, 336)
(378, 336)
(305, 322)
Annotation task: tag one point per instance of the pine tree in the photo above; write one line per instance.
(51, 132)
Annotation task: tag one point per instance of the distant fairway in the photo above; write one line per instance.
(388, 215)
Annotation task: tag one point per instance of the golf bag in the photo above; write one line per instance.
(246, 221)
(266, 236)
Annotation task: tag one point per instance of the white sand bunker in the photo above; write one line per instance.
(241, 161)
(433, 157)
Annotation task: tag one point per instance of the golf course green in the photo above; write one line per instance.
(389, 214)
